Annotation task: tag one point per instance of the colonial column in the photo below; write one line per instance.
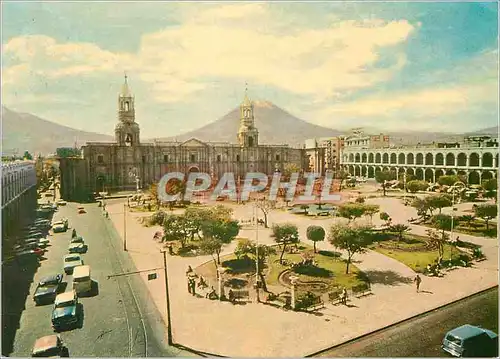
(293, 281)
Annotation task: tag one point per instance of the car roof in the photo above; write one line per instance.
(49, 278)
(65, 297)
(44, 343)
(72, 255)
(466, 331)
(74, 245)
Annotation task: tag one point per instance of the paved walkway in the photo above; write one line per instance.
(257, 330)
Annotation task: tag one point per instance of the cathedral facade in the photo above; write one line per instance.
(127, 162)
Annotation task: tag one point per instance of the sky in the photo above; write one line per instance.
(393, 66)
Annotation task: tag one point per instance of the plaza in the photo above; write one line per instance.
(258, 330)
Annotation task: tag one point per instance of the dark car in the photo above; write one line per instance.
(50, 346)
(47, 289)
(65, 314)
(471, 341)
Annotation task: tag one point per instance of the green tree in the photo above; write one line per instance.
(422, 207)
(371, 210)
(351, 239)
(217, 233)
(153, 191)
(467, 218)
(265, 206)
(487, 212)
(448, 180)
(285, 234)
(27, 156)
(383, 177)
(289, 169)
(438, 202)
(315, 234)
(342, 177)
(175, 228)
(221, 213)
(415, 186)
(351, 211)
(490, 188)
(384, 216)
(438, 240)
(442, 222)
(400, 230)
(360, 200)
(249, 249)
(195, 218)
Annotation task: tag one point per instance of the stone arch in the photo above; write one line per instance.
(450, 159)
(410, 172)
(462, 160)
(351, 157)
(351, 170)
(429, 175)
(410, 158)
(357, 170)
(194, 169)
(486, 175)
(487, 160)
(385, 158)
(419, 160)
(438, 173)
(394, 158)
(473, 160)
(378, 169)
(370, 158)
(357, 158)
(364, 171)
(364, 158)
(378, 158)
(474, 177)
(419, 173)
(401, 159)
(429, 159)
(450, 172)
(371, 172)
(385, 169)
(439, 159)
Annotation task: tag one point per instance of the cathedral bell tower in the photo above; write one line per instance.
(248, 136)
(127, 130)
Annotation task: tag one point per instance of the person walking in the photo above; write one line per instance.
(417, 281)
(192, 284)
(343, 297)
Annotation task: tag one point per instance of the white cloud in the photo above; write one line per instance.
(239, 42)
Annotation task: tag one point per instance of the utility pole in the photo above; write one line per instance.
(167, 299)
(257, 253)
(125, 227)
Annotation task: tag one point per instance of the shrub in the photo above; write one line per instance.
(360, 199)
(157, 218)
(306, 300)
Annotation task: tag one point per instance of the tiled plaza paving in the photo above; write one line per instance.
(259, 330)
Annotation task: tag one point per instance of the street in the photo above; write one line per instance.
(120, 321)
(422, 336)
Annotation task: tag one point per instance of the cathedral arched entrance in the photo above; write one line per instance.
(99, 183)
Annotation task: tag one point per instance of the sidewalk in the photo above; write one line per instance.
(257, 330)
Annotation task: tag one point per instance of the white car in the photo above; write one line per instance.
(59, 227)
(61, 202)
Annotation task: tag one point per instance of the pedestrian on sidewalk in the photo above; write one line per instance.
(192, 284)
(189, 271)
(343, 296)
(417, 281)
(189, 284)
(73, 233)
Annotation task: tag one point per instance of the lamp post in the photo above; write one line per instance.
(456, 186)
(124, 227)
(256, 252)
(167, 298)
(293, 282)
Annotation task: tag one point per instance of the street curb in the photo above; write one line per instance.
(398, 322)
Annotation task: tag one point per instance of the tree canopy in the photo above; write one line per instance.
(351, 239)
(487, 212)
(382, 177)
(285, 234)
(315, 234)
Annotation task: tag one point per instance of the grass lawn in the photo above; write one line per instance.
(408, 253)
(477, 228)
(330, 270)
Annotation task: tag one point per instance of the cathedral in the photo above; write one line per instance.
(127, 163)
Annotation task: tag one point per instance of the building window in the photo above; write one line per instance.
(100, 159)
(192, 158)
(277, 157)
(219, 157)
(237, 158)
(165, 158)
(143, 159)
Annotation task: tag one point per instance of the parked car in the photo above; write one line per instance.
(47, 289)
(471, 341)
(50, 346)
(81, 210)
(77, 248)
(65, 314)
(71, 261)
(21, 251)
(61, 202)
(78, 239)
(59, 227)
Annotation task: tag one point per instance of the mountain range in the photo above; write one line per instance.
(26, 132)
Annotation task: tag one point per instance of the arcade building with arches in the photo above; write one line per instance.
(128, 163)
(476, 158)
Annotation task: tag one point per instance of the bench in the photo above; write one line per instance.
(335, 297)
(240, 295)
(317, 304)
(361, 290)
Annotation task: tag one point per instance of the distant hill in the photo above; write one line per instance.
(26, 132)
(275, 125)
